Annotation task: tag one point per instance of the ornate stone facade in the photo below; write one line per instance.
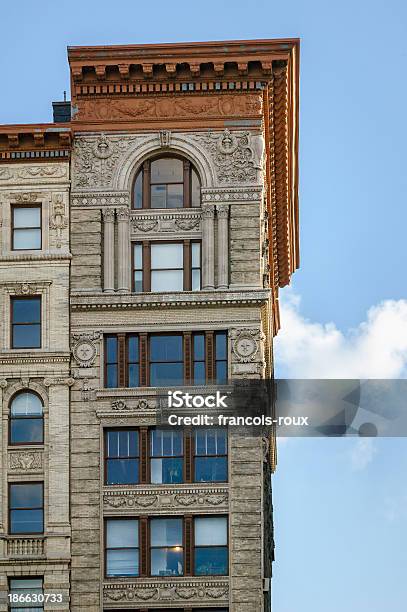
(231, 113)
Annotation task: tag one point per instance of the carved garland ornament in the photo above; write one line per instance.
(166, 591)
(25, 461)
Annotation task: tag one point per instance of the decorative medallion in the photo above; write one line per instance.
(245, 345)
(84, 353)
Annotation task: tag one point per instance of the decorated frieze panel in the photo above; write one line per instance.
(25, 461)
(101, 199)
(237, 156)
(158, 224)
(33, 174)
(162, 500)
(181, 591)
(232, 194)
(171, 107)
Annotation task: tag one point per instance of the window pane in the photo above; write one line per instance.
(158, 196)
(196, 254)
(165, 442)
(199, 373)
(24, 587)
(111, 376)
(134, 375)
(167, 562)
(112, 441)
(138, 282)
(122, 562)
(26, 430)
(26, 310)
(166, 256)
(175, 196)
(122, 533)
(168, 280)
(166, 348)
(27, 217)
(27, 336)
(26, 239)
(211, 531)
(26, 521)
(111, 349)
(221, 372)
(212, 561)
(166, 374)
(195, 189)
(122, 471)
(167, 170)
(26, 404)
(167, 471)
(166, 532)
(211, 469)
(138, 191)
(196, 280)
(133, 348)
(26, 495)
(199, 347)
(221, 345)
(138, 257)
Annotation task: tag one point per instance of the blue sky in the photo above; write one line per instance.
(341, 506)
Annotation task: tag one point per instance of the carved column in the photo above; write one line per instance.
(123, 248)
(208, 247)
(108, 250)
(222, 211)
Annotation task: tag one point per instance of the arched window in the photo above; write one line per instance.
(26, 419)
(167, 182)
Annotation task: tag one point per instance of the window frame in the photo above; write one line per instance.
(106, 431)
(193, 545)
(145, 171)
(13, 228)
(150, 456)
(13, 300)
(147, 269)
(10, 509)
(105, 547)
(150, 547)
(11, 418)
(195, 455)
(145, 358)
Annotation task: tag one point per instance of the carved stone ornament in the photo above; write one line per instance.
(233, 156)
(87, 391)
(192, 590)
(245, 345)
(165, 138)
(226, 194)
(84, 353)
(25, 197)
(25, 461)
(25, 289)
(95, 160)
(41, 173)
(145, 225)
(58, 220)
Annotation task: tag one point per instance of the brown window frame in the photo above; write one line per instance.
(15, 207)
(145, 361)
(105, 548)
(144, 457)
(26, 482)
(13, 299)
(151, 456)
(195, 455)
(147, 269)
(11, 418)
(145, 169)
(193, 546)
(145, 548)
(106, 431)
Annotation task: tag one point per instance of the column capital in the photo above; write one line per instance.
(208, 212)
(123, 214)
(108, 215)
(222, 210)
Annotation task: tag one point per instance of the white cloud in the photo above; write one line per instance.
(377, 348)
(362, 453)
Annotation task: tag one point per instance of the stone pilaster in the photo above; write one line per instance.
(222, 211)
(108, 250)
(208, 247)
(123, 250)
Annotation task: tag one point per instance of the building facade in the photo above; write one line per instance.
(144, 241)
